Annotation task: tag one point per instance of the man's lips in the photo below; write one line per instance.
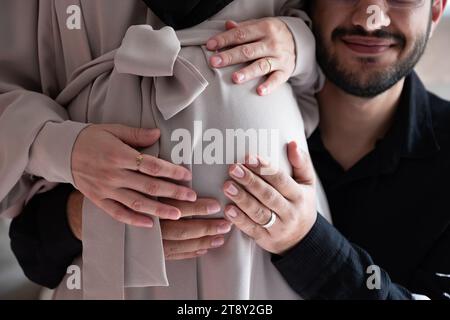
(367, 45)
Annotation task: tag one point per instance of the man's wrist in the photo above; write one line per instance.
(74, 213)
(306, 266)
(306, 231)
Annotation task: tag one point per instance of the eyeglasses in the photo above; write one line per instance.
(397, 4)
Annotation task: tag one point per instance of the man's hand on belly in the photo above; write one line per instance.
(275, 209)
(191, 238)
(182, 239)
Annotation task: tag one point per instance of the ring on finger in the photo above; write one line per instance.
(271, 222)
(139, 160)
(270, 64)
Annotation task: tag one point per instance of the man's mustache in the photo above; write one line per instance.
(359, 31)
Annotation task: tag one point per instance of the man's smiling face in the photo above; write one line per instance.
(363, 62)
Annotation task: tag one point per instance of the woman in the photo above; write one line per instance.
(98, 88)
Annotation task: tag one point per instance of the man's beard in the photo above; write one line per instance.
(379, 81)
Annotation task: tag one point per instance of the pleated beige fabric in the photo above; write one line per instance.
(121, 67)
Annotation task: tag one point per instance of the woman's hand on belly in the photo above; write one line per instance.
(257, 195)
(268, 43)
(109, 171)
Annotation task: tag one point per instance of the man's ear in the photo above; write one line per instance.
(437, 10)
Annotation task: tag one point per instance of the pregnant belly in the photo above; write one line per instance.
(226, 123)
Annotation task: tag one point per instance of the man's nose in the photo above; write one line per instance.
(371, 15)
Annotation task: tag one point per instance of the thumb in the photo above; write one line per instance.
(230, 24)
(135, 137)
(302, 167)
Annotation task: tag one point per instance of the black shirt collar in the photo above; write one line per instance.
(413, 129)
(411, 135)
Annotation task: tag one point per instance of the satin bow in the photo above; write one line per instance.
(155, 53)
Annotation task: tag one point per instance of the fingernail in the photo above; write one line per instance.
(263, 90)
(238, 172)
(191, 195)
(151, 132)
(201, 252)
(174, 214)
(263, 162)
(211, 44)
(217, 242)
(224, 228)
(213, 208)
(216, 61)
(232, 213)
(232, 190)
(239, 77)
(148, 224)
(253, 161)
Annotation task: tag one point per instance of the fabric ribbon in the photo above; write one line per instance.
(177, 81)
(112, 254)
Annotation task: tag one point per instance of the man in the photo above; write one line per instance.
(382, 152)
(383, 145)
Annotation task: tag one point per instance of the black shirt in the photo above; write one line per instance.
(41, 238)
(394, 204)
(391, 210)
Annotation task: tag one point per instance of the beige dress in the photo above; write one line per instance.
(144, 76)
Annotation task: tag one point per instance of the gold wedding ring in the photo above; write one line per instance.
(139, 160)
